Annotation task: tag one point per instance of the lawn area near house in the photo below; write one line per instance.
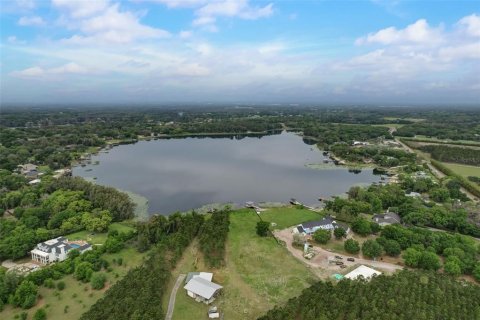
(259, 273)
(78, 296)
(99, 238)
(285, 217)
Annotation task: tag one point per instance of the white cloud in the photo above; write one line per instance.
(191, 70)
(471, 24)
(15, 40)
(185, 34)
(26, 4)
(38, 72)
(81, 8)
(111, 25)
(31, 21)
(181, 3)
(419, 32)
(230, 8)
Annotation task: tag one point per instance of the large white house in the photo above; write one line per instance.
(57, 249)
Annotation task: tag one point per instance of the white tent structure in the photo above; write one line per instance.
(362, 271)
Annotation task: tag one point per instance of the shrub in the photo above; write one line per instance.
(61, 285)
(262, 228)
(98, 281)
(339, 232)
(322, 236)
(40, 314)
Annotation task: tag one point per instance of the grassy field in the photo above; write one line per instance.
(464, 170)
(258, 273)
(99, 238)
(77, 297)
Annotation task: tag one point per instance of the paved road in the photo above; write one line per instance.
(173, 295)
(323, 256)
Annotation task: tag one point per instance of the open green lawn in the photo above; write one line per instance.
(288, 216)
(99, 238)
(259, 273)
(78, 296)
(464, 170)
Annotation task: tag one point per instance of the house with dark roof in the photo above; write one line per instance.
(57, 249)
(327, 223)
(387, 218)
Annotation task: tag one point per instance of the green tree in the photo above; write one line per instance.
(26, 295)
(476, 272)
(392, 248)
(412, 257)
(83, 271)
(263, 228)
(98, 281)
(452, 267)
(372, 249)
(429, 261)
(322, 236)
(351, 246)
(339, 232)
(362, 226)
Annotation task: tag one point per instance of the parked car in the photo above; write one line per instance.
(343, 266)
(351, 259)
(338, 257)
(339, 263)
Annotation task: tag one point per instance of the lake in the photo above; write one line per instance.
(187, 173)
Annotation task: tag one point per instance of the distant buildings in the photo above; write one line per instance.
(30, 171)
(327, 223)
(57, 249)
(199, 286)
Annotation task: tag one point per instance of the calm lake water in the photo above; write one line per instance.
(182, 174)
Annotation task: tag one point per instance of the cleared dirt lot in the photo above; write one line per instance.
(322, 258)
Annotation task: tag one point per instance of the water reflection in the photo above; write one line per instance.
(182, 174)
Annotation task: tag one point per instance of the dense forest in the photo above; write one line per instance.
(453, 154)
(139, 294)
(54, 208)
(405, 295)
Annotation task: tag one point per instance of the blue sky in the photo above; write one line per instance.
(163, 51)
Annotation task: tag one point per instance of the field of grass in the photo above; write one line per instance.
(99, 238)
(77, 297)
(258, 274)
(464, 170)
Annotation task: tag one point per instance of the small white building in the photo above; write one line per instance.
(57, 249)
(327, 223)
(362, 271)
(202, 290)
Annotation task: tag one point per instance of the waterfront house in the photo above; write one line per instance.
(327, 223)
(57, 249)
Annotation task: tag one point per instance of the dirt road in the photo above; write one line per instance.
(321, 259)
(173, 295)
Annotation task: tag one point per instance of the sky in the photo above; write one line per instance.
(384, 52)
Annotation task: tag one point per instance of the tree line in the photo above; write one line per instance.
(403, 296)
(213, 236)
(442, 153)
